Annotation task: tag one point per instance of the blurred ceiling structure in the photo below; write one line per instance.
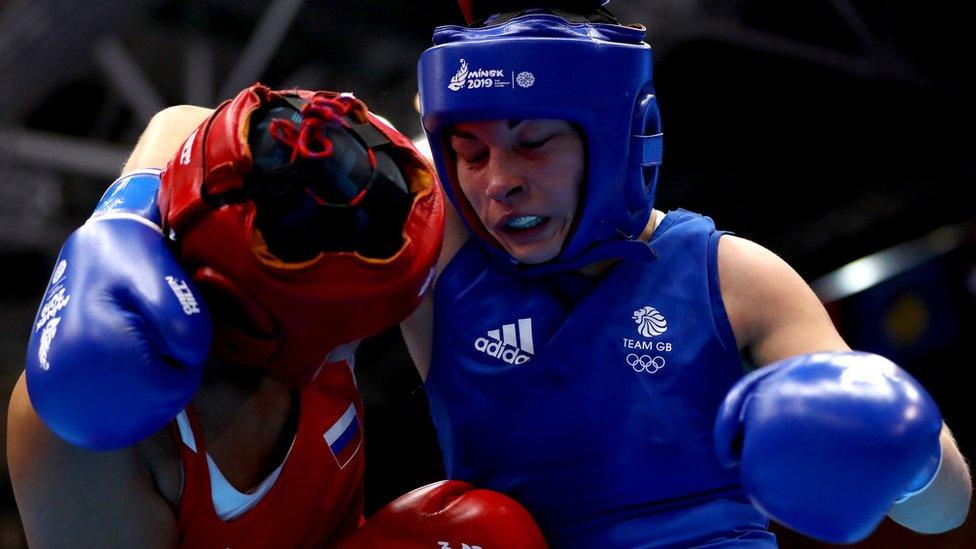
(829, 117)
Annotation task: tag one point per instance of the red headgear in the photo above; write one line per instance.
(286, 316)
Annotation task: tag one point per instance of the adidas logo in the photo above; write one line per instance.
(508, 344)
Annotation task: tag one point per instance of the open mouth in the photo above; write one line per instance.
(524, 222)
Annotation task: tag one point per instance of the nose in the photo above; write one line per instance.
(505, 180)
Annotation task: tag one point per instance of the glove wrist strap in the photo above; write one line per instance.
(134, 196)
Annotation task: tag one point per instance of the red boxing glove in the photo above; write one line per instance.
(449, 514)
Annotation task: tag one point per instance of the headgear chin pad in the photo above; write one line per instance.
(537, 65)
(287, 314)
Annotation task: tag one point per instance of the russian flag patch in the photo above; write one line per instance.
(345, 437)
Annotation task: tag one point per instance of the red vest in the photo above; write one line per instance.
(317, 497)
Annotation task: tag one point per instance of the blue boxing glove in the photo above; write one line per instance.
(827, 442)
(118, 345)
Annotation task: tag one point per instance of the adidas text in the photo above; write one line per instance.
(498, 349)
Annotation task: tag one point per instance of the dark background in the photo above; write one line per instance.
(827, 130)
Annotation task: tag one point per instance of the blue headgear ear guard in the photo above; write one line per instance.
(596, 76)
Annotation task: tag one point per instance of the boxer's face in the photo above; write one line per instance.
(523, 178)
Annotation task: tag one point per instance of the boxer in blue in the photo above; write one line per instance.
(581, 350)
(585, 353)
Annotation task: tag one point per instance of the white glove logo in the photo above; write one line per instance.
(447, 545)
(650, 322)
(59, 272)
(185, 295)
(56, 298)
(48, 319)
(185, 153)
(47, 336)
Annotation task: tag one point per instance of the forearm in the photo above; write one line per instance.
(71, 497)
(944, 503)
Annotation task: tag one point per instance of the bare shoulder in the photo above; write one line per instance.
(163, 136)
(69, 496)
(772, 310)
(751, 275)
(747, 269)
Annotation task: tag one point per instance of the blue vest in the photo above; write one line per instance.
(592, 402)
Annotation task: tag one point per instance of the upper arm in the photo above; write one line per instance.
(773, 312)
(455, 235)
(418, 328)
(164, 135)
(69, 496)
(418, 334)
(776, 315)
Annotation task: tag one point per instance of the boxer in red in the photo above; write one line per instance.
(188, 380)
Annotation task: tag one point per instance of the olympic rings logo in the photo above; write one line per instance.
(645, 363)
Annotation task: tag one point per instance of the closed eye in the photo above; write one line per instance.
(531, 145)
(473, 158)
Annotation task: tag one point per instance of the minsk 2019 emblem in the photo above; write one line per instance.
(457, 81)
(525, 79)
(650, 322)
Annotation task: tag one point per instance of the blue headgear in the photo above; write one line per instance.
(594, 75)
